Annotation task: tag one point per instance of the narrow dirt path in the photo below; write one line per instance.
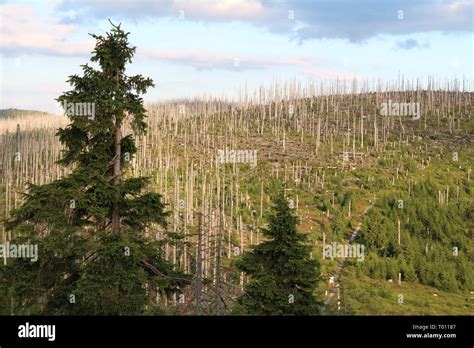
(343, 263)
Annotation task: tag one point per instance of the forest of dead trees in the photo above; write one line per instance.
(303, 135)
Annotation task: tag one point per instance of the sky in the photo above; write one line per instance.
(194, 48)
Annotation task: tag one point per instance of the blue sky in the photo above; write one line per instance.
(199, 47)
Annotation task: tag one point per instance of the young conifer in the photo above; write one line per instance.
(283, 277)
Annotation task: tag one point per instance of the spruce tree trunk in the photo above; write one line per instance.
(117, 174)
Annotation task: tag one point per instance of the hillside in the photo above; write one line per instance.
(336, 157)
(11, 119)
(18, 113)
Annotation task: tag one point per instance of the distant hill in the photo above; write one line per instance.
(14, 113)
(11, 119)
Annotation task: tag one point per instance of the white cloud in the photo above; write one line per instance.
(345, 19)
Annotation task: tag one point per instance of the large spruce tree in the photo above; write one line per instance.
(94, 254)
(283, 277)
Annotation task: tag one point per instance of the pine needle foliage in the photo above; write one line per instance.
(283, 277)
(89, 264)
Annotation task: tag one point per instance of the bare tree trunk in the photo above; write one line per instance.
(117, 174)
(218, 267)
(117, 169)
(199, 266)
